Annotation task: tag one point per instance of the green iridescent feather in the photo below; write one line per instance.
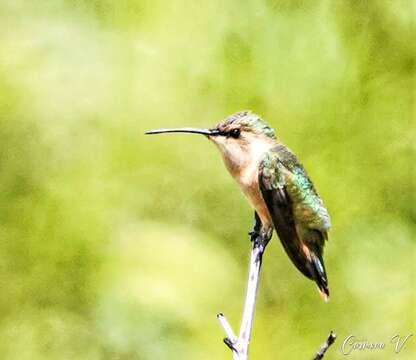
(299, 215)
(281, 168)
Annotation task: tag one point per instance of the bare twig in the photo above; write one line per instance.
(325, 346)
(239, 345)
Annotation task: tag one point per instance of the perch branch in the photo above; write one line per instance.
(239, 345)
(325, 346)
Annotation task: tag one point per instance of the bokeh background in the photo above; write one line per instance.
(114, 245)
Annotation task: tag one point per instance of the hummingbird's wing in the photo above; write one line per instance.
(298, 214)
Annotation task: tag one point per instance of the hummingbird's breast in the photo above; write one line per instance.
(249, 184)
(242, 159)
(246, 175)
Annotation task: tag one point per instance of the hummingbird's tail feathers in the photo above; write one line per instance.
(308, 263)
(324, 295)
(317, 270)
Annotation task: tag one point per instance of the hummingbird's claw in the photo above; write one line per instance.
(260, 241)
(254, 234)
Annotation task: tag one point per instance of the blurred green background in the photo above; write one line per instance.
(114, 245)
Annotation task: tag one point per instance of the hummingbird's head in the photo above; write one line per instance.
(243, 123)
(245, 137)
(241, 138)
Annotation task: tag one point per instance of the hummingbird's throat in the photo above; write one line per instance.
(242, 155)
(242, 160)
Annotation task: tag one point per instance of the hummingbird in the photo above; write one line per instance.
(277, 187)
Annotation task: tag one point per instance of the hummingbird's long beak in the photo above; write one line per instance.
(208, 132)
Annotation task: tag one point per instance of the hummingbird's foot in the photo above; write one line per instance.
(255, 232)
(261, 241)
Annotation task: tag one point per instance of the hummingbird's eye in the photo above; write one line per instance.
(235, 133)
